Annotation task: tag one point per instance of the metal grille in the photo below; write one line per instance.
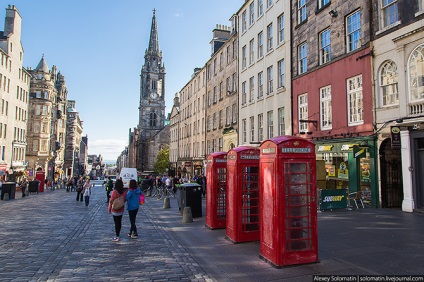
(222, 186)
(250, 199)
(298, 206)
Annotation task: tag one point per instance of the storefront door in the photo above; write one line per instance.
(391, 176)
(420, 179)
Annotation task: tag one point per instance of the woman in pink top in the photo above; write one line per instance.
(117, 214)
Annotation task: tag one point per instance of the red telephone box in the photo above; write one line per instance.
(288, 201)
(243, 194)
(216, 186)
(40, 176)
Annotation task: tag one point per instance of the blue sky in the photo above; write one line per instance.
(99, 45)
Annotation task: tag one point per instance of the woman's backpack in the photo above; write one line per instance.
(118, 203)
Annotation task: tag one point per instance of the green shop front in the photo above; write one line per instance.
(348, 165)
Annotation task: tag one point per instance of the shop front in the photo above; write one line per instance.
(349, 164)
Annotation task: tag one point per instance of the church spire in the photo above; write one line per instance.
(154, 41)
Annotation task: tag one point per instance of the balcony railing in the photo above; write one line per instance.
(416, 108)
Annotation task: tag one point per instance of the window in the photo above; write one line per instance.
(281, 28)
(280, 65)
(281, 122)
(354, 99)
(35, 145)
(234, 113)
(44, 127)
(260, 127)
(270, 80)
(301, 11)
(208, 123)
(252, 88)
(389, 84)
(353, 31)
(322, 3)
(390, 12)
(260, 84)
(221, 119)
(326, 108)
(268, 3)
(252, 13)
(252, 51)
(228, 84)
(269, 34)
(270, 122)
(260, 8)
(214, 121)
(221, 94)
(234, 82)
(228, 54)
(252, 129)
(325, 48)
(215, 94)
(244, 131)
(243, 93)
(302, 58)
(243, 22)
(420, 5)
(416, 74)
(227, 116)
(260, 45)
(243, 57)
(303, 112)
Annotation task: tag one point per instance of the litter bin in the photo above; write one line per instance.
(191, 196)
(33, 187)
(9, 188)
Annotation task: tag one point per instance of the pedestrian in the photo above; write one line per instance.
(118, 212)
(80, 186)
(87, 192)
(109, 188)
(24, 185)
(133, 203)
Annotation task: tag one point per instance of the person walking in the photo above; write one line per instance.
(109, 188)
(133, 202)
(117, 211)
(80, 186)
(24, 185)
(87, 192)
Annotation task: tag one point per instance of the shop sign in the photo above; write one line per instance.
(221, 160)
(395, 136)
(187, 164)
(333, 199)
(325, 148)
(359, 152)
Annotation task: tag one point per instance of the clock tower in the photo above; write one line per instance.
(152, 97)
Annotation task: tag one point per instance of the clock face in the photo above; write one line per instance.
(153, 95)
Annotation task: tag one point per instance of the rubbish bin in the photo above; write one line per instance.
(191, 196)
(33, 187)
(9, 188)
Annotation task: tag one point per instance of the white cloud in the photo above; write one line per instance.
(110, 149)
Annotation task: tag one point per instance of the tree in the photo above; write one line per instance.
(162, 161)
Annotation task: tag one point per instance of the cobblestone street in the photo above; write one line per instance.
(51, 236)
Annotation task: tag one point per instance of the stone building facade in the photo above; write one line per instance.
(74, 128)
(47, 129)
(14, 89)
(264, 70)
(189, 132)
(222, 95)
(398, 72)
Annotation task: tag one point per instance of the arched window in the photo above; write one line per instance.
(153, 119)
(389, 84)
(416, 74)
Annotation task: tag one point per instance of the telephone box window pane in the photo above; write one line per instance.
(250, 198)
(222, 184)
